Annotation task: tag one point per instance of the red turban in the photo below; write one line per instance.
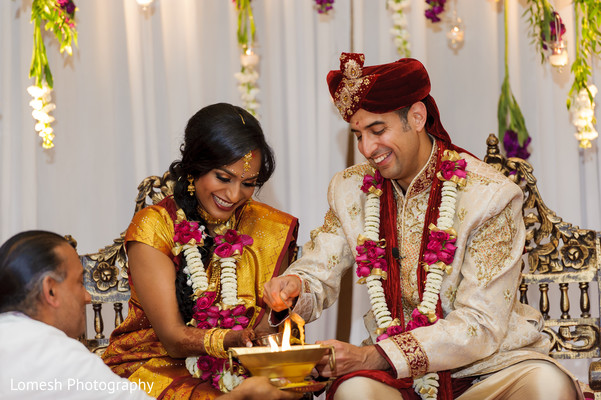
(383, 88)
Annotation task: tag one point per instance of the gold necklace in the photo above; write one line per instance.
(229, 223)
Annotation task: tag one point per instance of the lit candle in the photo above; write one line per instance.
(249, 59)
(559, 59)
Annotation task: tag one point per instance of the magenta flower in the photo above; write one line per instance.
(554, 24)
(370, 255)
(376, 181)
(206, 364)
(186, 231)
(417, 320)
(435, 7)
(448, 169)
(205, 300)
(512, 145)
(363, 271)
(323, 6)
(231, 243)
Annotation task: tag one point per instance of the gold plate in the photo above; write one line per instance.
(294, 364)
(304, 387)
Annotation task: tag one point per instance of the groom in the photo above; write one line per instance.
(437, 236)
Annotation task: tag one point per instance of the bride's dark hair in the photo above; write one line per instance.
(217, 135)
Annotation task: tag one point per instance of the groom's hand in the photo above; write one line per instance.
(349, 358)
(280, 292)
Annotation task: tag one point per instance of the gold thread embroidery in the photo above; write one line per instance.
(359, 170)
(507, 295)
(451, 294)
(472, 330)
(333, 261)
(416, 357)
(331, 223)
(354, 210)
(493, 242)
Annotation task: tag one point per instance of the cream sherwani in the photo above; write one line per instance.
(485, 327)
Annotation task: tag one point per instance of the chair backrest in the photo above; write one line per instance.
(105, 272)
(557, 256)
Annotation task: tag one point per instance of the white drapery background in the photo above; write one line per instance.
(136, 77)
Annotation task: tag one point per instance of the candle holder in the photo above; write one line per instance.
(558, 53)
(456, 32)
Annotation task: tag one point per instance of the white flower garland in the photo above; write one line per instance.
(247, 81)
(399, 30)
(583, 116)
(427, 385)
(198, 280)
(42, 106)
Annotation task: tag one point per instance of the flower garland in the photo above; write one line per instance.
(249, 60)
(230, 313)
(583, 116)
(59, 16)
(399, 29)
(439, 255)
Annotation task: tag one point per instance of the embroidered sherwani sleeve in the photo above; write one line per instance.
(487, 271)
(324, 258)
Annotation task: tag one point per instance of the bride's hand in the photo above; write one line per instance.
(242, 338)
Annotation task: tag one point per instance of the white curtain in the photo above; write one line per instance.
(137, 75)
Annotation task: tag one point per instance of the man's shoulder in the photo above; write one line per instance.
(481, 173)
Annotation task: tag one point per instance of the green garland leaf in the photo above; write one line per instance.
(61, 24)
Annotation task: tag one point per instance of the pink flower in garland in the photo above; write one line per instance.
(370, 255)
(417, 320)
(185, 231)
(440, 247)
(390, 331)
(372, 182)
(207, 365)
(448, 169)
(231, 244)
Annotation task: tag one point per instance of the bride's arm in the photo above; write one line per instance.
(153, 276)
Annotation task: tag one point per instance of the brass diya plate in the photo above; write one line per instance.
(304, 387)
(293, 365)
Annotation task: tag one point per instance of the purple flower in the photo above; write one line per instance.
(512, 145)
(435, 7)
(323, 6)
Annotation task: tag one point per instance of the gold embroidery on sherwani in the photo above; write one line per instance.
(475, 179)
(450, 295)
(461, 214)
(359, 170)
(331, 224)
(354, 210)
(410, 224)
(508, 296)
(492, 243)
(333, 260)
(472, 330)
(416, 357)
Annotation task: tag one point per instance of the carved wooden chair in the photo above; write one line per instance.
(105, 272)
(557, 256)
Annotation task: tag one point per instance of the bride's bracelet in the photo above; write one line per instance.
(213, 342)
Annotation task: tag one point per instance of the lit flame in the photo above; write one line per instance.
(272, 344)
(286, 336)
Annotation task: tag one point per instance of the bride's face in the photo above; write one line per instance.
(224, 189)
